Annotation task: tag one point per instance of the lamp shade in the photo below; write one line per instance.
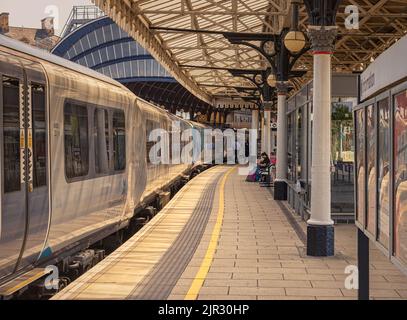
(294, 41)
(271, 80)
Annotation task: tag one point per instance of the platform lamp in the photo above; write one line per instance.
(294, 40)
(271, 80)
(281, 61)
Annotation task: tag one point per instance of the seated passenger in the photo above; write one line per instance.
(264, 161)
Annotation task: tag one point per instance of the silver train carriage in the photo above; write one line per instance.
(73, 157)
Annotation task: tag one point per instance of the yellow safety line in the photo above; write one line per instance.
(25, 282)
(207, 260)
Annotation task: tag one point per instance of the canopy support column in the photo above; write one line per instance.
(320, 229)
(280, 185)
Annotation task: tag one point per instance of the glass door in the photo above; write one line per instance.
(13, 216)
(36, 156)
(24, 176)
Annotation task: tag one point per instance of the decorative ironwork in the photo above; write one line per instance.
(322, 38)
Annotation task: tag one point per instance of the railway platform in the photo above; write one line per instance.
(221, 237)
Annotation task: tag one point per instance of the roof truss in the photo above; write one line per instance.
(182, 34)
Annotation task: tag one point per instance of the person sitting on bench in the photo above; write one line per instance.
(264, 161)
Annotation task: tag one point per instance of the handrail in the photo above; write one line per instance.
(78, 15)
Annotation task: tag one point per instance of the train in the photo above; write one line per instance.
(74, 165)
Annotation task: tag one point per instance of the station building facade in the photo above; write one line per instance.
(299, 112)
(381, 153)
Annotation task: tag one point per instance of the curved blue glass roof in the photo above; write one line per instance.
(103, 46)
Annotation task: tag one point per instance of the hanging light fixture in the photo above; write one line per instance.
(294, 40)
(271, 80)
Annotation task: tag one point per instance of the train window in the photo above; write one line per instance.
(76, 140)
(119, 140)
(11, 135)
(400, 176)
(149, 144)
(383, 179)
(39, 135)
(150, 126)
(371, 168)
(101, 140)
(170, 133)
(163, 153)
(360, 165)
(174, 146)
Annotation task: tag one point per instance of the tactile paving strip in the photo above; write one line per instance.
(158, 284)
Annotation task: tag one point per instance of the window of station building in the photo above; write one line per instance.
(301, 145)
(39, 135)
(342, 154)
(11, 135)
(371, 168)
(309, 157)
(383, 179)
(101, 140)
(119, 140)
(400, 176)
(76, 140)
(290, 146)
(360, 165)
(342, 130)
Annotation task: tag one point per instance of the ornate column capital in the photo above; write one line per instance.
(282, 87)
(322, 38)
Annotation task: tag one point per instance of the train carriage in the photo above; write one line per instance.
(74, 165)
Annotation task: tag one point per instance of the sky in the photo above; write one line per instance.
(28, 13)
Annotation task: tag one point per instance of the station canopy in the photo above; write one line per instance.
(187, 38)
(99, 44)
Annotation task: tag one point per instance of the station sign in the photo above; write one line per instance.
(388, 68)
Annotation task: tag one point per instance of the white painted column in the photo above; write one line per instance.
(320, 229)
(280, 185)
(255, 126)
(281, 165)
(263, 136)
(267, 132)
(321, 142)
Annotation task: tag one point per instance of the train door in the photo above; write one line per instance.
(13, 217)
(23, 158)
(35, 175)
